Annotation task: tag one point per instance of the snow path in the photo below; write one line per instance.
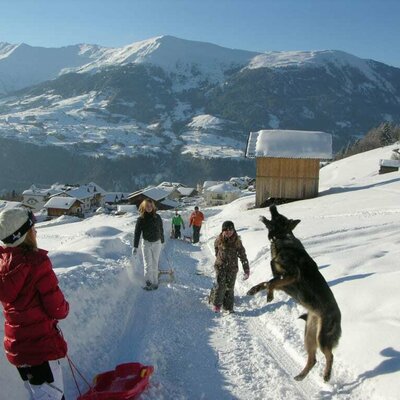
(201, 355)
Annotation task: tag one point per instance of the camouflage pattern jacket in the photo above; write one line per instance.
(227, 251)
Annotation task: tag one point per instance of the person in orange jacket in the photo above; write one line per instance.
(195, 221)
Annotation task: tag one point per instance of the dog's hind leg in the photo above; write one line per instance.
(329, 362)
(310, 342)
(327, 339)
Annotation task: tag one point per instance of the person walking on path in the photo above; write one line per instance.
(149, 224)
(196, 219)
(177, 222)
(33, 303)
(228, 248)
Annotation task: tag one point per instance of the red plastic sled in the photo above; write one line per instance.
(124, 383)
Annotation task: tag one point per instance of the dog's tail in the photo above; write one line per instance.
(331, 330)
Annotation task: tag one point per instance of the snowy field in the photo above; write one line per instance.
(352, 230)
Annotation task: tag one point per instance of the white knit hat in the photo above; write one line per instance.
(14, 225)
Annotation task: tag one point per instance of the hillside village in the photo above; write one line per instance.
(287, 168)
(88, 199)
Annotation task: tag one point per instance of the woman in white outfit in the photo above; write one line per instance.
(149, 224)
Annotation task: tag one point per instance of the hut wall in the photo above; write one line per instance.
(286, 178)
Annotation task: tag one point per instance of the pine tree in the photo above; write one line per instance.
(386, 136)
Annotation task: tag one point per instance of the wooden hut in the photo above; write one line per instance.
(63, 205)
(386, 166)
(287, 163)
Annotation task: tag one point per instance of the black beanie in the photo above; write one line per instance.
(228, 225)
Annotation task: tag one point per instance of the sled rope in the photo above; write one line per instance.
(73, 367)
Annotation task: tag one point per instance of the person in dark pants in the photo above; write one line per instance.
(196, 219)
(33, 303)
(149, 225)
(228, 248)
(177, 222)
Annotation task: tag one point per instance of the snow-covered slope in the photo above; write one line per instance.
(322, 59)
(177, 56)
(23, 65)
(351, 230)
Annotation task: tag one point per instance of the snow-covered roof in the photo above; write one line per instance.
(155, 193)
(169, 189)
(170, 203)
(98, 188)
(185, 191)
(208, 184)
(223, 187)
(34, 191)
(82, 192)
(169, 184)
(63, 203)
(289, 144)
(390, 163)
(110, 197)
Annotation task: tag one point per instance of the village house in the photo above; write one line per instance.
(177, 190)
(287, 163)
(208, 184)
(158, 195)
(187, 191)
(36, 198)
(59, 205)
(90, 195)
(386, 166)
(222, 193)
(391, 165)
(112, 198)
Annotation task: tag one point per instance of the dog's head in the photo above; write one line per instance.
(279, 226)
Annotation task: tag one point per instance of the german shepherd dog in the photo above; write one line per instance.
(296, 273)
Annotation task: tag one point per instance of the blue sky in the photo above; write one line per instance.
(365, 28)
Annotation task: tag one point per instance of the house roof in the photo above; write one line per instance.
(223, 187)
(208, 184)
(279, 143)
(63, 203)
(153, 193)
(185, 191)
(170, 203)
(110, 197)
(390, 163)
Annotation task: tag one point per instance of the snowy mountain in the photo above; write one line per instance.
(352, 232)
(156, 98)
(23, 65)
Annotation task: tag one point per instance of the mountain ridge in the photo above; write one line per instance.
(194, 99)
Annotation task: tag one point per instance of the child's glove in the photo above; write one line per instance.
(246, 276)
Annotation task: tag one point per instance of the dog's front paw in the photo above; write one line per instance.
(252, 291)
(257, 288)
(270, 296)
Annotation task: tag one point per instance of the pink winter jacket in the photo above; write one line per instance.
(32, 303)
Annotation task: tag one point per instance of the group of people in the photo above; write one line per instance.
(149, 226)
(228, 248)
(33, 303)
(195, 221)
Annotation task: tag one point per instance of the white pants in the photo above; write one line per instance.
(151, 255)
(48, 391)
